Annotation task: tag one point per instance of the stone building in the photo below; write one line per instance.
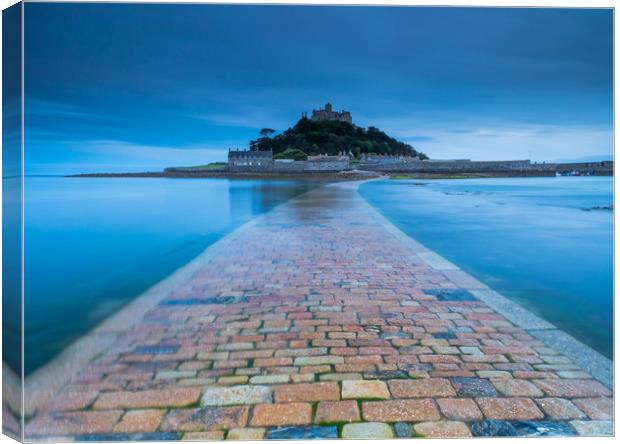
(328, 163)
(262, 161)
(386, 159)
(246, 160)
(328, 113)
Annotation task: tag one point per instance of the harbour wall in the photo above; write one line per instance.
(605, 168)
(512, 167)
(277, 166)
(388, 164)
(520, 167)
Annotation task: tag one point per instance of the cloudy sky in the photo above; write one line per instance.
(141, 87)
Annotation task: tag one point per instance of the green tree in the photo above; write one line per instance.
(292, 153)
(267, 132)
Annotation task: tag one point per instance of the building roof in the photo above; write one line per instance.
(327, 158)
(249, 153)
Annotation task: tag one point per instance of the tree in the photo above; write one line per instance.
(303, 126)
(267, 132)
(292, 153)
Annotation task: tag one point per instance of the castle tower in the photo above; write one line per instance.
(328, 113)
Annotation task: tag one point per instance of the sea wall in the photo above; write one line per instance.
(299, 166)
(605, 168)
(521, 167)
(328, 165)
(193, 169)
(513, 167)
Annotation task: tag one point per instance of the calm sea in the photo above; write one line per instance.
(94, 244)
(539, 241)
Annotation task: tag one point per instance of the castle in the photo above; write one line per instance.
(329, 114)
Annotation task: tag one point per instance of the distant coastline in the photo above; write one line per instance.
(263, 165)
(318, 175)
(357, 174)
(201, 174)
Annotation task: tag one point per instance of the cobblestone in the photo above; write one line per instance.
(295, 413)
(572, 388)
(403, 410)
(517, 387)
(320, 391)
(367, 430)
(594, 428)
(443, 429)
(559, 408)
(473, 387)
(240, 394)
(203, 436)
(169, 397)
(459, 408)
(73, 423)
(337, 411)
(596, 408)
(403, 429)
(246, 434)
(205, 418)
(421, 388)
(77, 400)
(140, 421)
(509, 408)
(364, 390)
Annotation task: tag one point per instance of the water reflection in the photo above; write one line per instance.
(313, 208)
(94, 244)
(259, 196)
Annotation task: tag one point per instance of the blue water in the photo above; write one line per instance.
(531, 239)
(94, 244)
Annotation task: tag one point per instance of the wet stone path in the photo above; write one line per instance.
(318, 322)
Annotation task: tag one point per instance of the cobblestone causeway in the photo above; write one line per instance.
(318, 322)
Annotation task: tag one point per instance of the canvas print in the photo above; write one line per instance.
(252, 222)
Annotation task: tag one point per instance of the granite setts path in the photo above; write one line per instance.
(318, 321)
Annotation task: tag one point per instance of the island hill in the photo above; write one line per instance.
(331, 133)
(329, 145)
(326, 142)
